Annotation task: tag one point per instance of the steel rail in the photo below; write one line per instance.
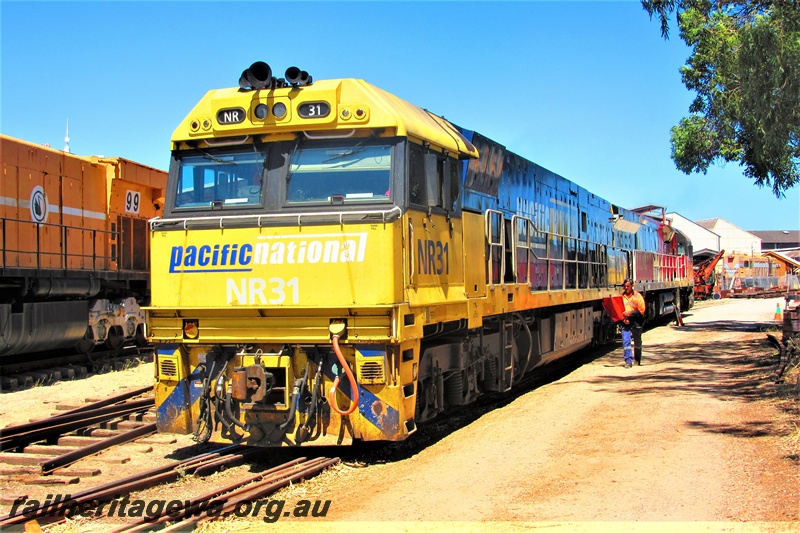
(194, 508)
(222, 462)
(70, 457)
(108, 401)
(260, 489)
(46, 423)
(266, 488)
(58, 426)
(109, 491)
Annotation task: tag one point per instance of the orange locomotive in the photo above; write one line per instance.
(74, 239)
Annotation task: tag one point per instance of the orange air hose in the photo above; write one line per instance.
(353, 384)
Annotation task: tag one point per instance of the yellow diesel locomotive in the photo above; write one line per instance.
(334, 263)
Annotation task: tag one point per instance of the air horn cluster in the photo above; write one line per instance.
(259, 76)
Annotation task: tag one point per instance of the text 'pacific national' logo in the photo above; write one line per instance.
(274, 250)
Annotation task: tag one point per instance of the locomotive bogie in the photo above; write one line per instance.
(117, 322)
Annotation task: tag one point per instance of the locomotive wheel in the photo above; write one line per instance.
(86, 344)
(115, 338)
(140, 339)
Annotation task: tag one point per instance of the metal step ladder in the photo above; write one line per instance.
(506, 377)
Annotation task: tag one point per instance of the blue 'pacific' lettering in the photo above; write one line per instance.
(225, 258)
(205, 252)
(276, 250)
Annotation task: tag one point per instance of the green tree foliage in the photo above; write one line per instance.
(745, 69)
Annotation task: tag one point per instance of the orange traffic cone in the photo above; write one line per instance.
(778, 315)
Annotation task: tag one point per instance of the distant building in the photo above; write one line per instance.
(790, 265)
(792, 254)
(705, 243)
(733, 239)
(753, 261)
(779, 239)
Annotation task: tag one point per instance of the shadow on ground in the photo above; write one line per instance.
(729, 370)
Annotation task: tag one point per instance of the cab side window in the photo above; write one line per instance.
(434, 179)
(416, 175)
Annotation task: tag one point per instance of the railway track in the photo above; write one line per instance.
(46, 451)
(46, 446)
(22, 372)
(192, 511)
(228, 499)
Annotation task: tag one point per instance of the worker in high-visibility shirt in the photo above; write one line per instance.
(632, 324)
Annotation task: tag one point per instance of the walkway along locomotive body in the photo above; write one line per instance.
(74, 236)
(334, 263)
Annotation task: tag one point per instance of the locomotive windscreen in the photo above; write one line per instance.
(230, 180)
(340, 173)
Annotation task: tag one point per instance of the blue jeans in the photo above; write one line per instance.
(632, 343)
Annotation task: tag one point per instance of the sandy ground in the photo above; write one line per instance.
(698, 438)
(40, 402)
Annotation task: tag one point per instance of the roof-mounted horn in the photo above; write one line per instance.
(258, 76)
(297, 77)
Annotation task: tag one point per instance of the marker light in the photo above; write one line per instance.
(261, 111)
(191, 330)
(279, 110)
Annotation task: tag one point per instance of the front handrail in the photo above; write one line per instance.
(260, 220)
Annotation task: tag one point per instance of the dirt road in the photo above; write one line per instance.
(698, 434)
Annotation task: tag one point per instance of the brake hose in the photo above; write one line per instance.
(294, 399)
(315, 387)
(231, 416)
(204, 423)
(353, 384)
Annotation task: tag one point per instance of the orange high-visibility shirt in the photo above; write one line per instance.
(634, 301)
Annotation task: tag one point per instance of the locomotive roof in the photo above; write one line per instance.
(353, 104)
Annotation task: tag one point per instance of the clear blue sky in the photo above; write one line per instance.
(589, 90)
